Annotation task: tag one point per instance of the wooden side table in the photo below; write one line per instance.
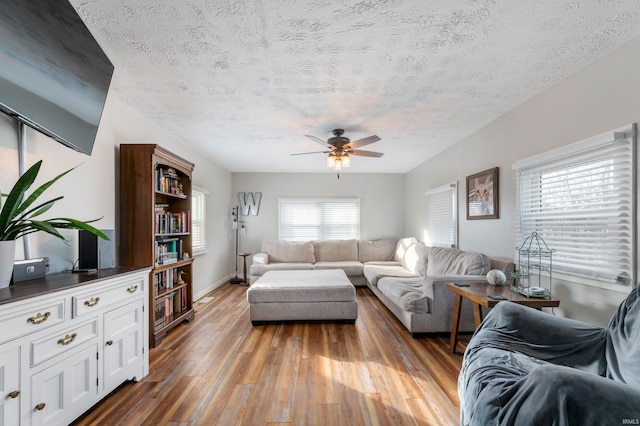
(244, 266)
(480, 294)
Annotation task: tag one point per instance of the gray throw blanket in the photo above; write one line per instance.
(526, 367)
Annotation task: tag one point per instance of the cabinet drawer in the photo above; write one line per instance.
(99, 298)
(57, 343)
(30, 319)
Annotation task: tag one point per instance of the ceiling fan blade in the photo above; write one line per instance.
(364, 153)
(315, 139)
(364, 141)
(313, 152)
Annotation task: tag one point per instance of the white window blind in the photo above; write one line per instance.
(304, 219)
(198, 220)
(580, 200)
(442, 217)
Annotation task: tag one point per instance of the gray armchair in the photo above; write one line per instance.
(526, 367)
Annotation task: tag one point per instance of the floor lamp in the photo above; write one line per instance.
(237, 225)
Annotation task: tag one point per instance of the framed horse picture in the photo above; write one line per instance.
(482, 195)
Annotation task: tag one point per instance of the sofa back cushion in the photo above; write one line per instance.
(379, 250)
(401, 247)
(449, 261)
(289, 251)
(415, 259)
(623, 341)
(335, 250)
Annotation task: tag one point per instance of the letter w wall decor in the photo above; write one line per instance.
(249, 201)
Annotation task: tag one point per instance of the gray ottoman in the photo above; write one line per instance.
(302, 295)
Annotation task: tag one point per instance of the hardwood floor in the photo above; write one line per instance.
(219, 370)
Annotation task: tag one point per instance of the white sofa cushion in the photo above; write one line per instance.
(449, 261)
(261, 258)
(408, 294)
(289, 251)
(350, 267)
(259, 269)
(335, 250)
(415, 259)
(384, 263)
(374, 271)
(378, 250)
(401, 247)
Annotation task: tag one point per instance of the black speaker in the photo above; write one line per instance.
(94, 252)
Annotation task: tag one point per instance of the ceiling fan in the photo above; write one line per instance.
(340, 149)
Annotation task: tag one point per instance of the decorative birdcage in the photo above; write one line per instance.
(532, 276)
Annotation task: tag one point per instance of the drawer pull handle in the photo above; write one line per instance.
(14, 394)
(92, 302)
(109, 342)
(68, 339)
(132, 289)
(39, 319)
(40, 406)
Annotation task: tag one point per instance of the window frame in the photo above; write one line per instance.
(199, 225)
(611, 158)
(438, 204)
(323, 225)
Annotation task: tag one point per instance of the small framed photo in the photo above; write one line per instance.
(482, 195)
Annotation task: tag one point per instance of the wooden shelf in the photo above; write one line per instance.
(169, 194)
(170, 290)
(147, 171)
(172, 322)
(178, 264)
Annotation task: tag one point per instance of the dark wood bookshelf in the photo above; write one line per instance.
(155, 185)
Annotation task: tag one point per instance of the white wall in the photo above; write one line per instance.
(600, 97)
(90, 191)
(381, 196)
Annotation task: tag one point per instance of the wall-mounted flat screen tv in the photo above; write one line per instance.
(54, 76)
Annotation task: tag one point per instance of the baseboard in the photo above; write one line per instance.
(210, 288)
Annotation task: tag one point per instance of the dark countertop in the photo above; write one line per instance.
(61, 281)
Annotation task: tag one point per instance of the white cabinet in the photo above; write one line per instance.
(123, 330)
(10, 395)
(65, 390)
(69, 345)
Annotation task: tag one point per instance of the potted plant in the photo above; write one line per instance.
(18, 213)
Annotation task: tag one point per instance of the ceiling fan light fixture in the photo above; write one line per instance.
(341, 148)
(338, 165)
(331, 160)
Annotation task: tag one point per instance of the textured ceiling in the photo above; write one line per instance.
(244, 81)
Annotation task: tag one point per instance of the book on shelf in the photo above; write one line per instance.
(165, 280)
(167, 180)
(171, 222)
(168, 306)
(168, 250)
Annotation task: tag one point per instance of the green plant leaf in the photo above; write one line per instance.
(15, 197)
(35, 194)
(29, 227)
(38, 210)
(16, 214)
(69, 223)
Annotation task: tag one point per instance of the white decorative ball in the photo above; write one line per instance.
(496, 277)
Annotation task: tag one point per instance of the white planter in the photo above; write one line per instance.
(7, 257)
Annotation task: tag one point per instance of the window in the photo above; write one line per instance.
(442, 222)
(305, 219)
(199, 220)
(580, 200)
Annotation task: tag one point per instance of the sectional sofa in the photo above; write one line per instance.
(348, 255)
(407, 276)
